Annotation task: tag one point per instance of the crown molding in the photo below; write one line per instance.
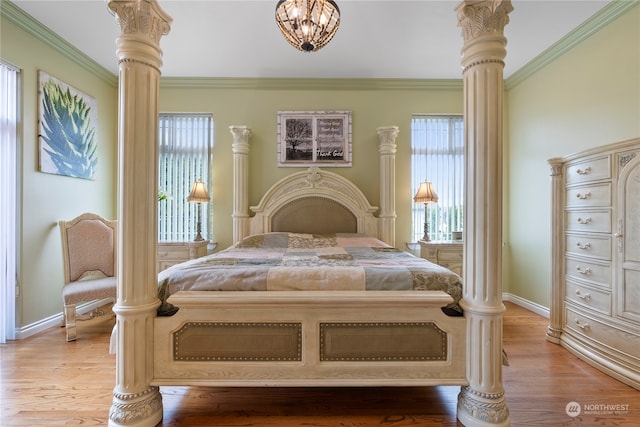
(42, 33)
(607, 15)
(27, 23)
(310, 84)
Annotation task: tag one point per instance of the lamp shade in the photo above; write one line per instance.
(308, 24)
(198, 193)
(425, 193)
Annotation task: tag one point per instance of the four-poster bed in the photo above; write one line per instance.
(210, 340)
(337, 307)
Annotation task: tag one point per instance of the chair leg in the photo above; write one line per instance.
(70, 321)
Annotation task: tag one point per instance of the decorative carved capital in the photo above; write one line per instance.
(241, 135)
(144, 17)
(481, 17)
(387, 136)
(556, 166)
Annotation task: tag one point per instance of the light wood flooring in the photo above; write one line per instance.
(45, 381)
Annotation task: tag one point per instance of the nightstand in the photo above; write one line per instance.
(171, 253)
(446, 253)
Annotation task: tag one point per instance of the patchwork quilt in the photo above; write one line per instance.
(291, 261)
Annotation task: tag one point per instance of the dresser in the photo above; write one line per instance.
(171, 253)
(445, 253)
(595, 265)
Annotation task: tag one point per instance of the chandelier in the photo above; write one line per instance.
(308, 24)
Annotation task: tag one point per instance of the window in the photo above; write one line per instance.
(9, 107)
(184, 156)
(437, 155)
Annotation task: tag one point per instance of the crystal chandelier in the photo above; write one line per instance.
(308, 24)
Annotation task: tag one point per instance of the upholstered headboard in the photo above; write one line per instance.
(316, 215)
(314, 201)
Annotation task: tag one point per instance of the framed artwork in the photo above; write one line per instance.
(321, 138)
(67, 120)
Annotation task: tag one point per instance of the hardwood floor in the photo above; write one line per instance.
(45, 381)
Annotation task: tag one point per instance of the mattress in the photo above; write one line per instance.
(295, 261)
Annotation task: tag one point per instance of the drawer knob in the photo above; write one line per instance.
(583, 246)
(583, 326)
(583, 196)
(585, 297)
(584, 171)
(584, 271)
(586, 220)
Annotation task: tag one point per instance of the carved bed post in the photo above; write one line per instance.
(387, 136)
(240, 148)
(143, 23)
(482, 402)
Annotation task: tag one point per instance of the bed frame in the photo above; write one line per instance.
(302, 338)
(314, 338)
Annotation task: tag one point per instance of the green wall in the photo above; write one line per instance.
(587, 97)
(45, 198)
(255, 103)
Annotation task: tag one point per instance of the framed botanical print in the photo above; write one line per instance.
(67, 120)
(321, 138)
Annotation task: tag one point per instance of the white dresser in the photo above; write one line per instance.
(595, 266)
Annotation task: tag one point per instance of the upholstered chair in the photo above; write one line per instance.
(89, 249)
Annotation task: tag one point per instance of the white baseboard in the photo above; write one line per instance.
(56, 320)
(529, 305)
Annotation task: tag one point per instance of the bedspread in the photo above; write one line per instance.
(291, 261)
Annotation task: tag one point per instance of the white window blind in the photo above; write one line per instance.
(9, 81)
(437, 155)
(185, 155)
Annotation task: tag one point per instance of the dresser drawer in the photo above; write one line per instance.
(582, 324)
(590, 298)
(588, 170)
(589, 196)
(445, 253)
(590, 245)
(173, 252)
(589, 221)
(595, 273)
(163, 265)
(449, 256)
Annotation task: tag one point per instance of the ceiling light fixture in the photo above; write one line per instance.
(308, 25)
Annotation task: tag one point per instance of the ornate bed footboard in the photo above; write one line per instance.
(309, 339)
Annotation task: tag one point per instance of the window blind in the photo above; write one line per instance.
(9, 103)
(185, 155)
(437, 155)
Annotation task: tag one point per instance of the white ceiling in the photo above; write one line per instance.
(376, 39)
